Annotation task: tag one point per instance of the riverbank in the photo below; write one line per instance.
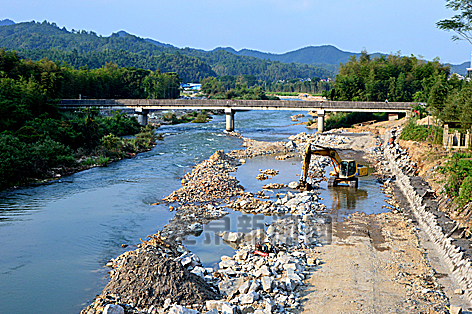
(112, 149)
(272, 281)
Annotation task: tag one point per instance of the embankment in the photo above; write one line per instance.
(437, 225)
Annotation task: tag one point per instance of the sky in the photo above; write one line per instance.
(275, 26)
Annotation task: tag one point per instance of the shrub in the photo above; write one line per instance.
(103, 161)
(414, 132)
(458, 169)
(88, 162)
(347, 119)
(465, 191)
(111, 142)
(50, 154)
(201, 118)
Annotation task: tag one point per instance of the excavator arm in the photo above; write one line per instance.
(320, 151)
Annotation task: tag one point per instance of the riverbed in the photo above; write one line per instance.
(56, 238)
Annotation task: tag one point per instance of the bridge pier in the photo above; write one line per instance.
(229, 112)
(321, 115)
(142, 116)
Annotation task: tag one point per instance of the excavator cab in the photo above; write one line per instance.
(348, 169)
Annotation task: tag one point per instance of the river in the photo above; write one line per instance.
(56, 238)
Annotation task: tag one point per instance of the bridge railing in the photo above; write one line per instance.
(237, 104)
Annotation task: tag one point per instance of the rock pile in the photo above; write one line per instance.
(284, 157)
(151, 277)
(257, 148)
(274, 186)
(266, 174)
(295, 118)
(324, 139)
(209, 181)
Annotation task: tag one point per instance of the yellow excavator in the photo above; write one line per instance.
(345, 171)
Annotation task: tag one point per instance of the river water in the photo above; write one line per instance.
(55, 239)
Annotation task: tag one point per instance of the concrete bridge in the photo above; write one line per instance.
(142, 106)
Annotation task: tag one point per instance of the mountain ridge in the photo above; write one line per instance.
(327, 57)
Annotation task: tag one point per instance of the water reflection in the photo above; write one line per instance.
(346, 198)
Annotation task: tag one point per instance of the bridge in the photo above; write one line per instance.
(142, 106)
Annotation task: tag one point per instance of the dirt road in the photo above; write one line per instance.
(374, 265)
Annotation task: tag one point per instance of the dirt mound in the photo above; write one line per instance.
(148, 279)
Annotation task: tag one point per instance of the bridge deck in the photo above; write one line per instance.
(146, 104)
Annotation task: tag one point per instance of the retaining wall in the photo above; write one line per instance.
(458, 263)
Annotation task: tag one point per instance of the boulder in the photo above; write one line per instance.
(246, 309)
(292, 266)
(227, 264)
(266, 283)
(264, 271)
(229, 309)
(230, 286)
(215, 305)
(242, 255)
(178, 309)
(244, 288)
(455, 310)
(199, 271)
(196, 228)
(255, 286)
(113, 309)
(250, 297)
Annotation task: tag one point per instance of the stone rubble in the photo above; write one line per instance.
(266, 282)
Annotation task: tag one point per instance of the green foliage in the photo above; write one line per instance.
(233, 88)
(38, 141)
(103, 161)
(20, 161)
(347, 119)
(458, 173)
(394, 78)
(310, 122)
(201, 118)
(294, 87)
(159, 85)
(465, 191)
(111, 142)
(88, 162)
(414, 132)
(14, 161)
(146, 138)
(458, 107)
(49, 154)
(460, 23)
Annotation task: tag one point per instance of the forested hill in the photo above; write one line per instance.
(325, 56)
(85, 48)
(190, 69)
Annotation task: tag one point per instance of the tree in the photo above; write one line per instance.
(460, 23)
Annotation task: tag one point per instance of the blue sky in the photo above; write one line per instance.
(275, 26)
